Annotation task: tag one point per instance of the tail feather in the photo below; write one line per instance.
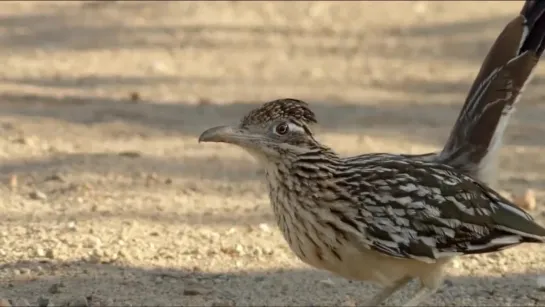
(533, 11)
(477, 135)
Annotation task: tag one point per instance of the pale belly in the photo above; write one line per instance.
(356, 265)
(344, 259)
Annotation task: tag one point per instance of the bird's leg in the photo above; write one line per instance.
(421, 295)
(385, 293)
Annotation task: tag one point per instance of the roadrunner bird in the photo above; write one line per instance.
(391, 218)
(379, 217)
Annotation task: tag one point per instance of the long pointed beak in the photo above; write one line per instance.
(221, 134)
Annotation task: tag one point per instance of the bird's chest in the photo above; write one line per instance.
(285, 207)
(301, 224)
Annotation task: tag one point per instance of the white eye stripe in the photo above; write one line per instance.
(295, 128)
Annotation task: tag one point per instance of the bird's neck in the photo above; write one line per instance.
(303, 173)
(301, 186)
(291, 161)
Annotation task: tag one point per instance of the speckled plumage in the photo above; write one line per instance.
(405, 208)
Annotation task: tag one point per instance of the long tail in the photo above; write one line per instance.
(476, 137)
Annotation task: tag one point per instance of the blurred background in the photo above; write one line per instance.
(107, 196)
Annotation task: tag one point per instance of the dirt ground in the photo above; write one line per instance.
(107, 198)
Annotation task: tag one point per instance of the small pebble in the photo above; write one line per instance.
(541, 282)
(40, 252)
(130, 154)
(13, 181)
(267, 251)
(25, 271)
(259, 278)
(37, 195)
(4, 303)
(195, 289)
(134, 96)
(71, 225)
(23, 141)
(257, 252)
(50, 253)
(95, 257)
(55, 177)
(40, 270)
(204, 101)
(264, 227)
(56, 288)
(526, 201)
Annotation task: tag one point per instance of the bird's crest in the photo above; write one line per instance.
(282, 108)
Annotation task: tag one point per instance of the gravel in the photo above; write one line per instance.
(107, 198)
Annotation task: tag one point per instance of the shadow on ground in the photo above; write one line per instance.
(73, 28)
(246, 288)
(430, 122)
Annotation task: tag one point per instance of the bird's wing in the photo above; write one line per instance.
(426, 211)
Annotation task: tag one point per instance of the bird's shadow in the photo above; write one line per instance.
(244, 288)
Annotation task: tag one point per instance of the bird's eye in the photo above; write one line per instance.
(281, 129)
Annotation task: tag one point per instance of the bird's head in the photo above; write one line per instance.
(273, 131)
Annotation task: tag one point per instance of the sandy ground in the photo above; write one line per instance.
(107, 198)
